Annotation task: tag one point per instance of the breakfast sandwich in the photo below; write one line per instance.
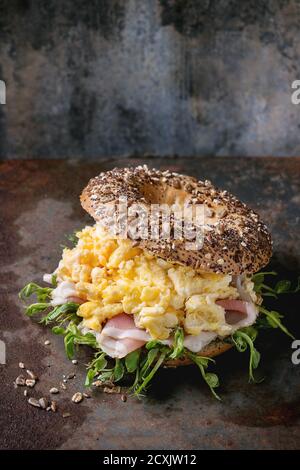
(145, 293)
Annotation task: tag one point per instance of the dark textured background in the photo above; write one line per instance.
(172, 77)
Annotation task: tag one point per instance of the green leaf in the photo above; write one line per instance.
(88, 339)
(281, 287)
(210, 378)
(152, 354)
(54, 280)
(274, 321)
(58, 330)
(284, 287)
(100, 362)
(132, 360)
(148, 378)
(69, 345)
(119, 370)
(106, 376)
(246, 337)
(259, 278)
(95, 367)
(90, 377)
(42, 293)
(178, 346)
(33, 309)
(154, 343)
(59, 311)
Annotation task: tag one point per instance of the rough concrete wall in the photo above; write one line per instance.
(115, 77)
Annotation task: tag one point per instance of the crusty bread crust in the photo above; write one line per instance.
(235, 241)
(215, 348)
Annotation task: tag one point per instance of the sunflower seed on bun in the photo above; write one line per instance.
(235, 241)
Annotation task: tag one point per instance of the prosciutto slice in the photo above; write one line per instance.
(238, 313)
(120, 336)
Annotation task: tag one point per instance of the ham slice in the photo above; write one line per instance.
(65, 292)
(120, 336)
(238, 313)
(198, 342)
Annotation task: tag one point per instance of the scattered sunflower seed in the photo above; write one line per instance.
(74, 361)
(53, 406)
(97, 383)
(123, 398)
(34, 402)
(53, 390)
(100, 383)
(63, 386)
(21, 365)
(66, 415)
(25, 393)
(71, 376)
(48, 408)
(77, 397)
(112, 389)
(30, 383)
(47, 342)
(31, 374)
(43, 403)
(20, 380)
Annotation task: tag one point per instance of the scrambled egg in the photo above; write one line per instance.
(114, 276)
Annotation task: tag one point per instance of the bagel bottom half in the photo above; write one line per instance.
(215, 348)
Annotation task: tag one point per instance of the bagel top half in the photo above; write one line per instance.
(235, 240)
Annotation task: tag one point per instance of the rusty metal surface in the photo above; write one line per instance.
(39, 204)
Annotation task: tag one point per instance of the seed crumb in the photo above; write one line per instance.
(112, 389)
(31, 374)
(74, 361)
(54, 390)
(63, 386)
(21, 365)
(71, 376)
(20, 381)
(77, 397)
(47, 342)
(86, 395)
(124, 398)
(30, 383)
(66, 415)
(25, 393)
(34, 402)
(53, 406)
(43, 403)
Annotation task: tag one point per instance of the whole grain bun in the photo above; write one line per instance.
(215, 348)
(235, 240)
